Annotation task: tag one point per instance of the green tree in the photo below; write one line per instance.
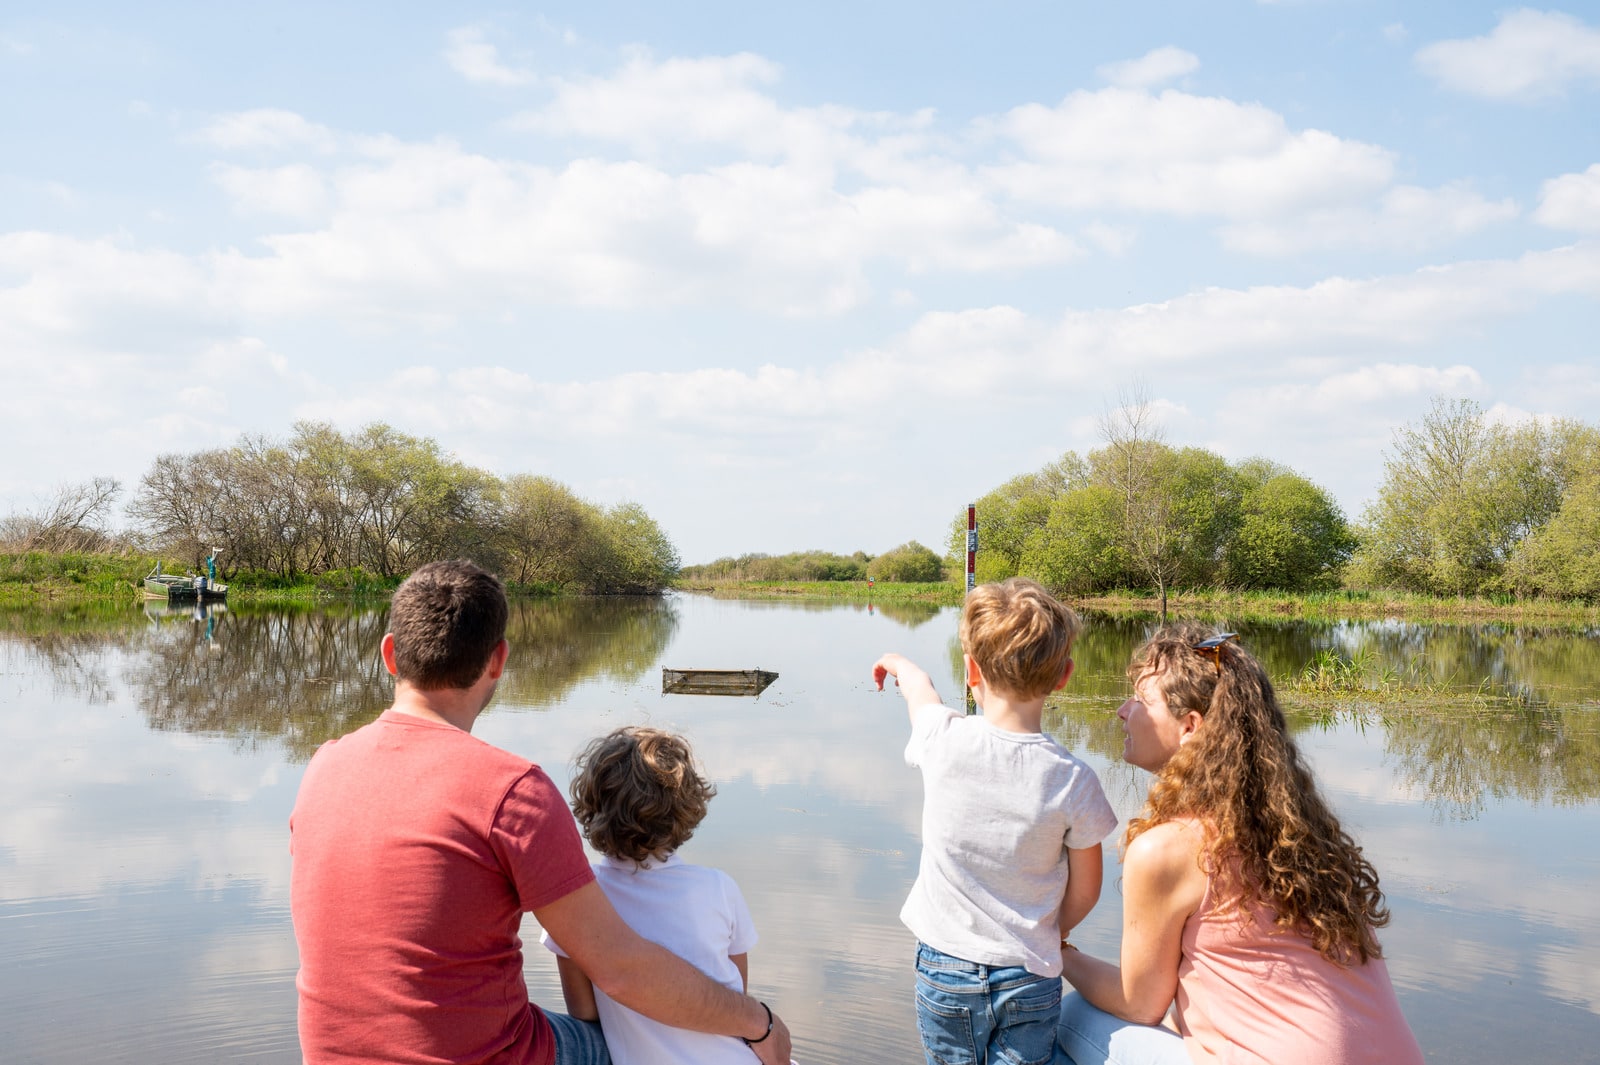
(1012, 517)
(1292, 535)
(543, 531)
(1080, 550)
(631, 555)
(1460, 495)
(910, 562)
(1563, 558)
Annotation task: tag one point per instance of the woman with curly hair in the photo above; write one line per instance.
(1247, 911)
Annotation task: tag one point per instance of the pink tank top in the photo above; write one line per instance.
(1254, 994)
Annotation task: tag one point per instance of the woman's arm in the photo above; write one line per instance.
(577, 990)
(1163, 884)
(1085, 869)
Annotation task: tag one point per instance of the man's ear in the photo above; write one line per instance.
(497, 659)
(1066, 675)
(974, 674)
(387, 649)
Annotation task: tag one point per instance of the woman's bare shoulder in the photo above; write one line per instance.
(1169, 853)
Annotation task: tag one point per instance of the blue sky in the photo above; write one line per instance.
(809, 277)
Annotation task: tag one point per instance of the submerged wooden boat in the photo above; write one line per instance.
(715, 681)
(189, 588)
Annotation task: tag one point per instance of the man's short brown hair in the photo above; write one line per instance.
(446, 620)
(637, 794)
(1020, 635)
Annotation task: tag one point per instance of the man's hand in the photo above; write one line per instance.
(776, 1048)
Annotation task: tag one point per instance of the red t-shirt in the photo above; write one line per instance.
(416, 850)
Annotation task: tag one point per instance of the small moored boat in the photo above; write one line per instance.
(187, 588)
(715, 681)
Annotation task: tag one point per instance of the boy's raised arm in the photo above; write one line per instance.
(912, 680)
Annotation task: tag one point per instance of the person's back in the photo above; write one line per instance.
(1011, 832)
(638, 798)
(1001, 812)
(412, 866)
(416, 850)
(1256, 994)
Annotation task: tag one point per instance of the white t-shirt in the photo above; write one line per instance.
(697, 913)
(999, 811)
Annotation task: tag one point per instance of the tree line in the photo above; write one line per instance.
(1467, 507)
(911, 563)
(376, 501)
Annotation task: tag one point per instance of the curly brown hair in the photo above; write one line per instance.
(1270, 838)
(637, 794)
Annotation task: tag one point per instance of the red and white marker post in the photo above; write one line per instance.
(972, 545)
(972, 575)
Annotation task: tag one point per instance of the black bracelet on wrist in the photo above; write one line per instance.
(765, 1034)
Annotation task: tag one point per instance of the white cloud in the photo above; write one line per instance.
(472, 56)
(267, 128)
(1395, 32)
(1530, 55)
(707, 101)
(1571, 201)
(1405, 217)
(1175, 153)
(431, 229)
(1155, 67)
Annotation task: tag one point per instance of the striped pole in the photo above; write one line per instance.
(972, 576)
(972, 545)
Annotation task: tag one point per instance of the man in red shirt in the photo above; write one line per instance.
(417, 849)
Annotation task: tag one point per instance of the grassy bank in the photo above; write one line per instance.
(35, 578)
(1238, 606)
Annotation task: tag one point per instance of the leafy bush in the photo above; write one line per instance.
(910, 563)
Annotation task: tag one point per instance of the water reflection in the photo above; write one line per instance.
(300, 677)
(144, 862)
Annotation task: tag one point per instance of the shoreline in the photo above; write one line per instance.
(1254, 606)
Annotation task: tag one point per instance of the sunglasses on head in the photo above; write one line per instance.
(1212, 648)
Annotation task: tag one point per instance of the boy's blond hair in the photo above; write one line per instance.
(1019, 635)
(637, 794)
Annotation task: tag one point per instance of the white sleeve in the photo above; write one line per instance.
(551, 945)
(742, 935)
(929, 721)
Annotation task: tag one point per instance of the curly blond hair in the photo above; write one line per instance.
(1270, 838)
(637, 794)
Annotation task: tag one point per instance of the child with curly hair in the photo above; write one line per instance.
(638, 798)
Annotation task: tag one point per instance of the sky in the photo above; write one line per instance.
(808, 277)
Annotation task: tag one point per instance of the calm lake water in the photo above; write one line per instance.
(151, 762)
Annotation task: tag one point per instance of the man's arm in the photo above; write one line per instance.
(652, 980)
(913, 681)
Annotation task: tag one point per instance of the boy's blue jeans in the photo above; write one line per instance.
(971, 1014)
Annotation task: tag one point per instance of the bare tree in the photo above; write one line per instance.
(1132, 467)
(76, 518)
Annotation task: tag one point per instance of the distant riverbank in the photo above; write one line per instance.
(38, 578)
(1243, 606)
